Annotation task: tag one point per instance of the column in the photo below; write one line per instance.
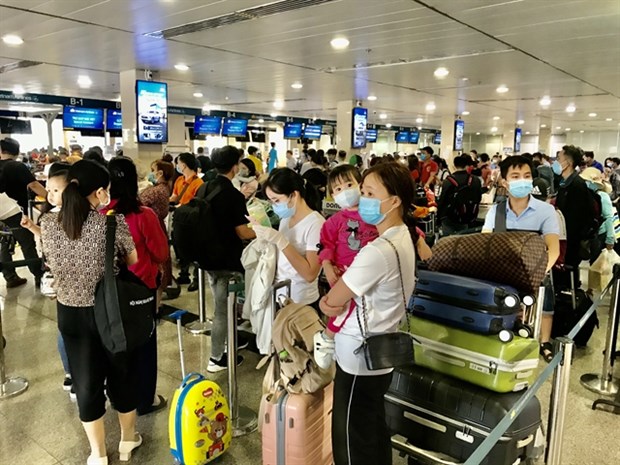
(447, 138)
(344, 126)
(544, 140)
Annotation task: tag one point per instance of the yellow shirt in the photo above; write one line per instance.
(257, 163)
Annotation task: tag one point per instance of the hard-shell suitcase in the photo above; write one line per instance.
(437, 413)
(199, 424)
(296, 428)
(482, 360)
(466, 303)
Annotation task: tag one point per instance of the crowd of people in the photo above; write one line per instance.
(367, 252)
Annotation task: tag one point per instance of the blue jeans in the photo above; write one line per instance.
(63, 354)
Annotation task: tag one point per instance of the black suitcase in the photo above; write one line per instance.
(437, 413)
(570, 305)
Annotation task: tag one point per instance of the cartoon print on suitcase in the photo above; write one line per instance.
(466, 303)
(434, 412)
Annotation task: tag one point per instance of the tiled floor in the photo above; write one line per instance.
(40, 427)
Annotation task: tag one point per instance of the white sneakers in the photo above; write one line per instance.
(324, 349)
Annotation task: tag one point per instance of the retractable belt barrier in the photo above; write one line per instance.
(560, 368)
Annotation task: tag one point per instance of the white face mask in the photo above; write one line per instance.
(348, 198)
(107, 202)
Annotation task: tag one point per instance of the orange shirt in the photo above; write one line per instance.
(194, 184)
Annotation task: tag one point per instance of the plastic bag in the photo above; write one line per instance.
(257, 211)
(601, 270)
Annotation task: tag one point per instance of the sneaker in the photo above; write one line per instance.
(72, 394)
(324, 349)
(216, 366)
(242, 342)
(183, 279)
(193, 286)
(16, 282)
(67, 383)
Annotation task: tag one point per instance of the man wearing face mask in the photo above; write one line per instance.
(186, 185)
(523, 212)
(230, 214)
(429, 168)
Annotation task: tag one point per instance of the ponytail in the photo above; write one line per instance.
(286, 181)
(74, 212)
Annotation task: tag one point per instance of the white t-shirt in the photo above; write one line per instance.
(305, 237)
(375, 275)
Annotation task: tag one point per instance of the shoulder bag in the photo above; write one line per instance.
(386, 350)
(124, 306)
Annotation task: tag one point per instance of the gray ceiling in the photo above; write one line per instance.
(245, 54)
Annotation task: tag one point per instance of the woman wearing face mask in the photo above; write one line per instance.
(606, 237)
(295, 202)
(74, 243)
(246, 180)
(379, 280)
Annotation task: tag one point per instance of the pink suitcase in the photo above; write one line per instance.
(297, 429)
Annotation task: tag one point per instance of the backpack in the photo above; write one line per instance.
(291, 365)
(195, 232)
(463, 205)
(598, 219)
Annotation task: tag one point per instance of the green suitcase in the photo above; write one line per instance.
(479, 359)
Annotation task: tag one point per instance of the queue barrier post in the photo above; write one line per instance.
(244, 420)
(9, 386)
(203, 325)
(605, 383)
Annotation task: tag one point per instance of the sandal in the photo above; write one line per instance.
(546, 350)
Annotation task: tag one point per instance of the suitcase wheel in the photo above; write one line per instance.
(505, 335)
(524, 330)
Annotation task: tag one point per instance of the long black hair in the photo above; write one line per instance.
(124, 185)
(85, 177)
(286, 181)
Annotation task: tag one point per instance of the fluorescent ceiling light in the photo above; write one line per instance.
(274, 115)
(12, 39)
(545, 101)
(571, 108)
(181, 67)
(198, 94)
(520, 121)
(592, 115)
(582, 131)
(608, 119)
(430, 106)
(527, 132)
(493, 129)
(84, 81)
(388, 125)
(558, 127)
(372, 98)
(278, 104)
(465, 113)
(567, 129)
(496, 118)
(477, 133)
(18, 90)
(419, 120)
(339, 43)
(502, 89)
(464, 79)
(441, 72)
(543, 125)
(383, 116)
(297, 85)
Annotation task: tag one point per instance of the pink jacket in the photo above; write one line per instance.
(343, 235)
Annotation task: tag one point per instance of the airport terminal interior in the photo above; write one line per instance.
(496, 76)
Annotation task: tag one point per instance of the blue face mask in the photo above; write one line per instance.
(151, 178)
(592, 186)
(179, 169)
(283, 210)
(520, 188)
(557, 167)
(370, 210)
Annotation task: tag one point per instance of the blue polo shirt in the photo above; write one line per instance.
(538, 216)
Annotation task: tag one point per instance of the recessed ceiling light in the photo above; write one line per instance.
(388, 125)
(493, 129)
(297, 85)
(477, 133)
(18, 90)
(372, 98)
(226, 98)
(545, 101)
(383, 116)
(464, 79)
(198, 94)
(419, 120)
(430, 106)
(278, 104)
(592, 115)
(339, 43)
(502, 89)
(496, 118)
(520, 121)
(571, 108)
(582, 131)
(12, 39)
(567, 129)
(274, 115)
(608, 119)
(84, 81)
(543, 125)
(465, 113)
(261, 121)
(181, 67)
(558, 127)
(441, 72)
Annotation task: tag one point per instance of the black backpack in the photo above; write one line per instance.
(463, 205)
(194, 231)
(598, 218)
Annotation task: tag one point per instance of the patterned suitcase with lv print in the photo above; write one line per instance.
(476, 358)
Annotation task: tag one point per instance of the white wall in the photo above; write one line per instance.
(38, 138)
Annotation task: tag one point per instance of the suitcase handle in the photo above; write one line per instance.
(189, 377)
(525, 442)
(402, 445)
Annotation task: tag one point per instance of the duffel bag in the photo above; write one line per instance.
(518, 259)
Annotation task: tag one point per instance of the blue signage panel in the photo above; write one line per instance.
(292, 130)
(207, 125)
(313, 131)
(358, 134)
(402, 137)
(82, 118)
(371, 135)
(152, 108)
(459, 130)
(518, 132)
(414, 137)
(235, 127)
(114, 120)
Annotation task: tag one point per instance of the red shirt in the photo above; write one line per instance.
(428, 167)
(151, 243)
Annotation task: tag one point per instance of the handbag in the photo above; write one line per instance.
(124, 306)
(386, 350)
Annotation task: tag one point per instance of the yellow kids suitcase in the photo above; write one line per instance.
(199, 424)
